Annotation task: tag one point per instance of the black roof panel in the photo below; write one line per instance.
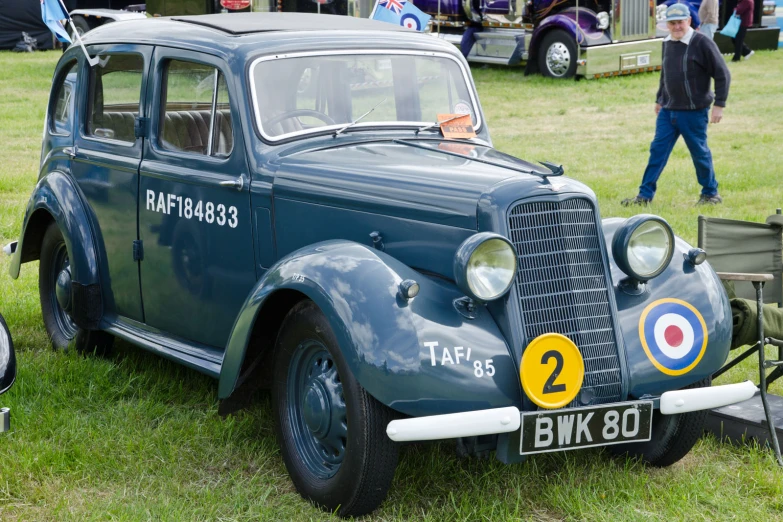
(246, 23)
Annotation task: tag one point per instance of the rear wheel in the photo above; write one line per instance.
(331, 432)
(557, 55)
(54, 287)
(673, 436)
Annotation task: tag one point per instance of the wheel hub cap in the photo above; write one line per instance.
(63, 289)
(558, 59)
(317, 410)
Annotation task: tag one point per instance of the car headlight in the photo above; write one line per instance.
(643, 246)
(484, 266)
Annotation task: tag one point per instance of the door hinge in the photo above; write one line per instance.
(138, 250)
(140, 126)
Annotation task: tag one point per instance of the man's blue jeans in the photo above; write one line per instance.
(669, 126)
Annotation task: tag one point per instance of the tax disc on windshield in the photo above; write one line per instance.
(552, 370)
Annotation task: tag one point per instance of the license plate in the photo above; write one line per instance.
(643, 59)
(559, 430)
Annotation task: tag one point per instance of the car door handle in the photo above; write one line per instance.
(238, 183)
(71, 151)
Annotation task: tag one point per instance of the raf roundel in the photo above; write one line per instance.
(410, 21)
(674, 335)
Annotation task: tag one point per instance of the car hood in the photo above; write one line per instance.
(437, 181)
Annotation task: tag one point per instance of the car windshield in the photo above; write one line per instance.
(301, 94)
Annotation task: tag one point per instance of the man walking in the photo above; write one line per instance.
(690, 61)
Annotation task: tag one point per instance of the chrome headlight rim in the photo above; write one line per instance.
(462, 260)
(622, 241)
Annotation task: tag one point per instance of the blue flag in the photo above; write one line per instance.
(53, 14)
(401, 12)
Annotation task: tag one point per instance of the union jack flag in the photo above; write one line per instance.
(393, 5)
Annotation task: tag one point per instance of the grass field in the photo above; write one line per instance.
(134, 437)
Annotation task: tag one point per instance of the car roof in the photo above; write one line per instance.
(238, 34)
(248, 23)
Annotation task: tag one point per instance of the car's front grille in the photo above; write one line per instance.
(562, 287)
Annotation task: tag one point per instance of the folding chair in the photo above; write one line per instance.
(749, 256)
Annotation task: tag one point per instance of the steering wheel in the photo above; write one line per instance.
(296, 113)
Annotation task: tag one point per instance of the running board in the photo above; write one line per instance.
(199, 357)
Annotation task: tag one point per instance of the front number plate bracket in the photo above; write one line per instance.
(573, 428)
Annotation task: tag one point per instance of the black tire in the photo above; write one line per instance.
(81, 26)
(62, 330)
(557, 55)
(338, 468)
(673, 436)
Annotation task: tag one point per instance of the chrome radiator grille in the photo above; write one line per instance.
(562, 287)
(634, 18)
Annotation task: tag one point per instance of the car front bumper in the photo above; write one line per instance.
(508, 419)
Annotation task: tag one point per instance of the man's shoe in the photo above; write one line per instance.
(751, 53)
(709, 200)
(637, 200)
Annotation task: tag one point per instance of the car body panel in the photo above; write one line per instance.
(386, 340)
(341, 220)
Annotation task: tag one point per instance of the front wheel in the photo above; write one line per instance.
(557, 55)
(54, 287)
(331, 432)
(673, 436)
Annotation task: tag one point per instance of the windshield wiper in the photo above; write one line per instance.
(439, 123)
(357, 120)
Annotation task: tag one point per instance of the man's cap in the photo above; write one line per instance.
(677, 12)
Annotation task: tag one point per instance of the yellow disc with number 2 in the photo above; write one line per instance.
(552, 370)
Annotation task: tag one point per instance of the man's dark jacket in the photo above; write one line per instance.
(686, 73)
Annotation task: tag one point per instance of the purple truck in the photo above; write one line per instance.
(559, 38)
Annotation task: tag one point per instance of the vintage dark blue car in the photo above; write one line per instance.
(269, 199)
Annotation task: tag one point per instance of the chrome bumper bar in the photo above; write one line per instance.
(505, 420)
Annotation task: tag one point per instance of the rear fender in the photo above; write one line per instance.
(402, 352)
(56, 198)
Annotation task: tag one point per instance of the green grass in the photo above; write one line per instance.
(134, 437)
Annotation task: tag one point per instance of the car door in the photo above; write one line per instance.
(194, 210)
(105, 162)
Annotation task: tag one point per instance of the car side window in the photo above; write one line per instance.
(63, 109)
(196, 115)
(115, 94)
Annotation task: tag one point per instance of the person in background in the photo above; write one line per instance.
(708, 13)
(690, 62)
(745, 12)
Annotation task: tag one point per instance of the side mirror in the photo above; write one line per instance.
(7, 371)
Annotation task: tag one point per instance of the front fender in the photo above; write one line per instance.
(419, 357)
(581, 27)
(699, 287)
(57, 195)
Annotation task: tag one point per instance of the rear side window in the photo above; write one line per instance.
(63, 109)
(196, 115)
(115, 93)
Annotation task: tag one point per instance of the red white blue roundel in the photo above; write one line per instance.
(410, 21)
(673, 334)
